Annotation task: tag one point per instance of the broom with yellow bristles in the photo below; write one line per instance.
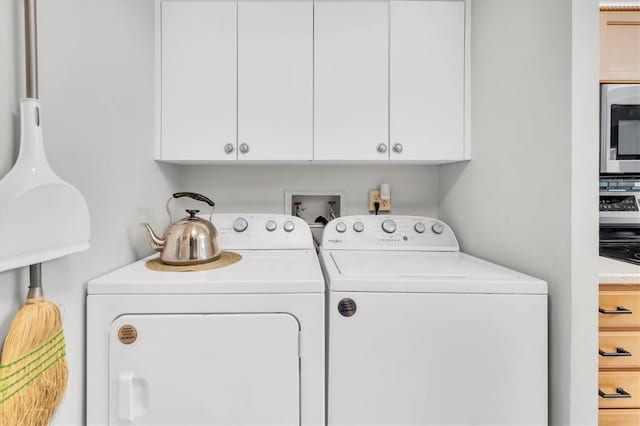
(33, 371)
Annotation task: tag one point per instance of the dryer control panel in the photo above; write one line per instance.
(261, 231)
(389, 232)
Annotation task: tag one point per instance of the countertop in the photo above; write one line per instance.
(618, 272)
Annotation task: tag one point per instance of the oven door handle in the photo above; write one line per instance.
(617, 311)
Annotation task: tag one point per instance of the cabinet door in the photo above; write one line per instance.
(275, 79)
(198, 88)
(427, 80)
(619, 46)
(351, 79)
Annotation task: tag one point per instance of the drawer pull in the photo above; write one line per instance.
(620, 393)
(618, 310)
(618, 352)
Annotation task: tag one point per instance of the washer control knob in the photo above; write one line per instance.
(240, 224)
(389, 226)
(358, 226)
(341, 227)
(437, 228)
(420, 227)
(271, 225)
(288, 226)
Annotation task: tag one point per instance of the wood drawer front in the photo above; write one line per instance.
(611, 300)
(628, 341)
(627, 380)
(623, 417)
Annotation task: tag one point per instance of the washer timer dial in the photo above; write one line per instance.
(389, 226)
(437, 228)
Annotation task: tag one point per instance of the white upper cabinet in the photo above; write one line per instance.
(351, 80)
(275, 80)
(312, 80)
(426, 108)
(198, 80)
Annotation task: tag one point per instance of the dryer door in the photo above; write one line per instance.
(214, 369)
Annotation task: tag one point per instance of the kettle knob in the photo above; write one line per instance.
(192, 213)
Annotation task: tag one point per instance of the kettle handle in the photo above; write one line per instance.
(195, 196)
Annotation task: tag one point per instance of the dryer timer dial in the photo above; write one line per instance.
(240, 224)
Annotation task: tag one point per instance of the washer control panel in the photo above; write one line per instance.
(389, 232)
(261, 231)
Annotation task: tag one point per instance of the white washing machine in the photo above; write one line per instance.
(422, 334)
(240, 345)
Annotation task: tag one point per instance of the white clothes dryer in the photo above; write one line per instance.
(422, 334)
(240, 345)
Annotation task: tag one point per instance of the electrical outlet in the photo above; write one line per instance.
(374, 195)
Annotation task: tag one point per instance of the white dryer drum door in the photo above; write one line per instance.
(437, 359)
(213, 369)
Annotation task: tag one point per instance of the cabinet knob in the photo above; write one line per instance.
(228, 148)
(244, 148)
(382, 148)
(397, 148)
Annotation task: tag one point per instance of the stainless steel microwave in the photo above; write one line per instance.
(620, 128)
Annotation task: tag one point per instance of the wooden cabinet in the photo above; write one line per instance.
(427, 80)
(620, 45)
(619, 353)
(351, 79)
(197, 80)
(311, 80)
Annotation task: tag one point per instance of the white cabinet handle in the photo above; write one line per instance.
(228, 148)
(397, 148)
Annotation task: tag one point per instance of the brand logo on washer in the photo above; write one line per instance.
(347, 307)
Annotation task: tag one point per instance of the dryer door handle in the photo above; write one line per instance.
(125, 397)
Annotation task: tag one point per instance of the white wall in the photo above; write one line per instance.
(96, 87)
(528, 199)
(261, 188)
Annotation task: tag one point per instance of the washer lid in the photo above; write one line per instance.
(259, 272)
(421, 271)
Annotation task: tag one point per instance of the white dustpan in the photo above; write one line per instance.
(42, 217)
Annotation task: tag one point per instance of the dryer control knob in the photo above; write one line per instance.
(341, 227)
(389, 226)
(358, 226)
(288, 226)
(271, 225)
(240, 224)
(437, 228)
(420, 227)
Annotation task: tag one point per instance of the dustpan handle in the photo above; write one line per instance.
(31, 48)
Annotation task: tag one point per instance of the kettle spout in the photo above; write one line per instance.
(155, 242)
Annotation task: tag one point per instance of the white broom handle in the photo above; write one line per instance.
(31, 48)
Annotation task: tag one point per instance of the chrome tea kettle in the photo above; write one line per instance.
(188, 241)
